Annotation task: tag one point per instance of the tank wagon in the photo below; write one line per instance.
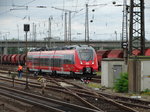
(147, 52)
(115, 53)
(13, 59)
(76, 61)
(136, 52)
(22, 59)
(4, 57)
(100, 55)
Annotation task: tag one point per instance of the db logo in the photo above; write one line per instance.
(87, 63)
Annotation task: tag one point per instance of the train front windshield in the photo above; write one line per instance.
(86, 54)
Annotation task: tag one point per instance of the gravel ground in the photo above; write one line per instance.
(140, 96)
(111, 91)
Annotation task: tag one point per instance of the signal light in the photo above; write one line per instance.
(26, 27)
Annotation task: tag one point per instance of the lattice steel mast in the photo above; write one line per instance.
(137, 26)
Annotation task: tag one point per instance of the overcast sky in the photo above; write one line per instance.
(106, 25)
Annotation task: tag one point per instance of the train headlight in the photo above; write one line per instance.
(81, 62)
(92, 62)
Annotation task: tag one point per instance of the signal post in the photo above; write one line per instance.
(26, 29)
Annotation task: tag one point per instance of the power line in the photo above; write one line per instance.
(7, 11)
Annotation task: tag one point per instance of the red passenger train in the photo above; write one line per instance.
(72, 60)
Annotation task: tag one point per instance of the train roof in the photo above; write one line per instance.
(60, 48)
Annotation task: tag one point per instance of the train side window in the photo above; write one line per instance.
(45, 61)
(68, 59)
(56, 62)
(49, 60)
(36, 61)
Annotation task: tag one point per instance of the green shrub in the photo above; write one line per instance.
(121, 84)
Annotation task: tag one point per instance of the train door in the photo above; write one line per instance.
(61, 62)
(52, 63)
(49, 62)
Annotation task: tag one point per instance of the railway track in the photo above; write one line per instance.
(54, 88)
(60, 89)
(135, 104)
(92, 105)
(94, 100)
(43, 102)
(99, 101)
(96, 80)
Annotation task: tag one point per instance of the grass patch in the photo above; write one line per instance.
(98, 73)
(146, 92)
(94, 85)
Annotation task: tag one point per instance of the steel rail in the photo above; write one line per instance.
(85, 93)
(81, 99)
(43, 99)
(107, 99)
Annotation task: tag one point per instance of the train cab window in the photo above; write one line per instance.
(86, 54)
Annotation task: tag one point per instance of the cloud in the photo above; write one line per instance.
(106, 18)
(77, 26)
